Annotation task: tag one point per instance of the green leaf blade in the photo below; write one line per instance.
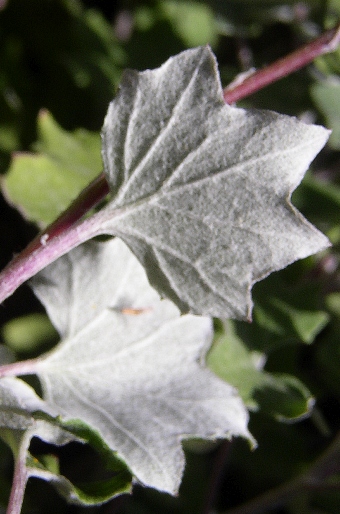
(65, 164)
(279, 395)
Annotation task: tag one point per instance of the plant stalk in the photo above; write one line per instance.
(30, 262)
(326, 43)
(93, 194)
(19, 482)
(68, 231)
(15, 369)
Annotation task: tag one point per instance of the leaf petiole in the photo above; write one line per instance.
(20, 477)
(326, 43)
(15, 369)
(31, 261)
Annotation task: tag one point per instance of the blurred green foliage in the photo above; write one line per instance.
(27, 333)
(61, 61)
(64, 163)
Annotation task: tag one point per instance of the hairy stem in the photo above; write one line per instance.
(15, 369)
(26, 265)
(19, 482)
(94, 193)
(327, 42)
(56, 240)
(66, 232)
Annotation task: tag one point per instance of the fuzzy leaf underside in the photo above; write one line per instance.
(23, 415)
(129, 365)
(201, 190)
(18, 404)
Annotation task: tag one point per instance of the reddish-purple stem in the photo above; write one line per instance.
(18, 368)
(326, 43)
(24, 267)
(94, 193)
(62, 235)
(20, 478)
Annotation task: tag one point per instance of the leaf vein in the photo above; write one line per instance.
(139, 168)
(127, 433)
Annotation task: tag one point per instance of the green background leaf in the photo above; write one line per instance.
(28, 332)
(64, 165)
(278, 395)
(327, 98)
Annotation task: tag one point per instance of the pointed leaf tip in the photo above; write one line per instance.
(201, 190)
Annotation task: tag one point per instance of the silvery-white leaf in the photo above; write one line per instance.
(23, 415)
(129, 365)
(21, 410)
(18, 403)
(201, 190)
